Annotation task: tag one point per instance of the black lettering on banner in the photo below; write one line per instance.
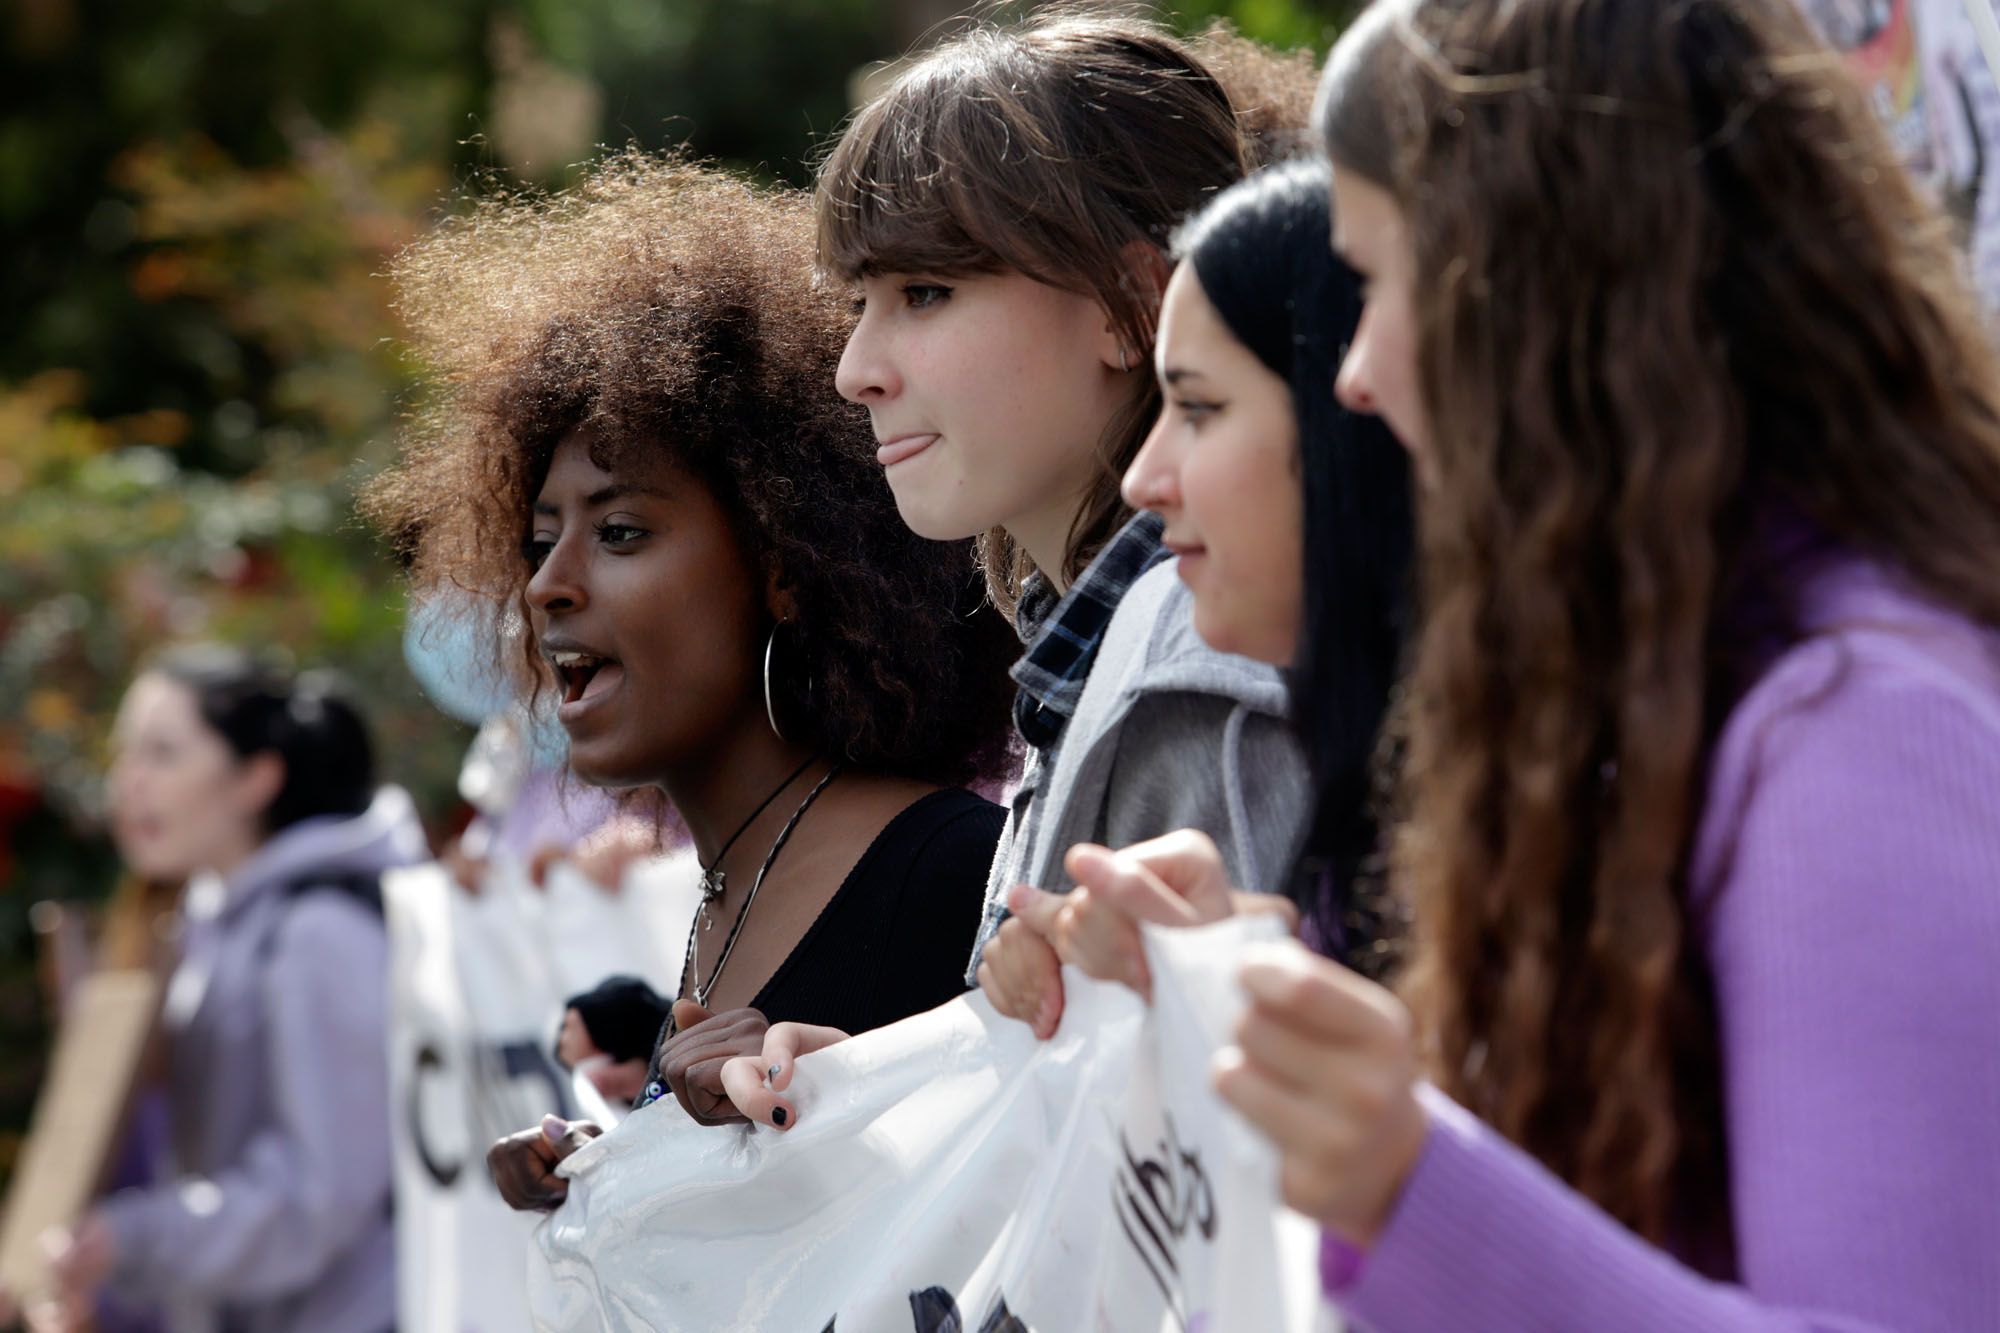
(1158, 1199)
(510, 1084)
(429, 1062)
(513, 1084)
(935, 1310)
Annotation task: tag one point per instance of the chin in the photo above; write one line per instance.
(613, 772)
(1215, 631)
(157, 867)
(1244, 641)
(932, 523)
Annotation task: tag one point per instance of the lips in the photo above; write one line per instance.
(1187, 558)
(587, 679)
(903, 447)
(137, 828)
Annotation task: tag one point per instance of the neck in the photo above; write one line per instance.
(228, 860)
(733, 776)
(1044, 535)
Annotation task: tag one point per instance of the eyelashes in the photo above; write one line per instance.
(915, 296)
(535, 550)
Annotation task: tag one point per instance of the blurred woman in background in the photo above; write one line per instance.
(258, 789)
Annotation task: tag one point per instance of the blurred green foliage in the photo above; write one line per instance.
(199, 362)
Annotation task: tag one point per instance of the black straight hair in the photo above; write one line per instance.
(257, 707)
(1263, 253)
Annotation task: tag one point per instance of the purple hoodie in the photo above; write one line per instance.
(279, 1214)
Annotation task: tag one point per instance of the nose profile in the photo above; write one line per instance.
(1153, 479)
(865, 374)
(118, 780)
(1351, 386)
(557, 585)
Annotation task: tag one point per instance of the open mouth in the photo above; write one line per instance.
(583, 675)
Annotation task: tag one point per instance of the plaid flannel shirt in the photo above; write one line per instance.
(1063, 633)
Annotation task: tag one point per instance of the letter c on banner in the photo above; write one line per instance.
(429, 1062)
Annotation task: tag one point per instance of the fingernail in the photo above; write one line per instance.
(772, 1076)
(778, 1116)
(554, 1127)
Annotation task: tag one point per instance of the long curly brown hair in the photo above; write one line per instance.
(672, 308)
(1052, 147)
(1672, 280)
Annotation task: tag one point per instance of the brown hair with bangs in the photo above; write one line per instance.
(1064, 149)
(1676, 294)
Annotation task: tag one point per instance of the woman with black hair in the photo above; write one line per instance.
(1292, 522)
(258, 789)
(1262, 311)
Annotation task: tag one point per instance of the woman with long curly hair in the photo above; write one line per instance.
(633, 441)
(1702, 787)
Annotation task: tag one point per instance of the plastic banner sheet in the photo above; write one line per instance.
(952, 1173)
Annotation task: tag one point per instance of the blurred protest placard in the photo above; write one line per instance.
(78, 1116)
(477, 986)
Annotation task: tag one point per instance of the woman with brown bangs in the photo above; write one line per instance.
(1002, 213)
(633, 440)
(1703, 772)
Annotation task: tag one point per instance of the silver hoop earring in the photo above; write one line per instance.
(770, 697)
(770, 708)
(1125, 360)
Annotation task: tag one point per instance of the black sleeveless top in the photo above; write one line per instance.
(892, 940)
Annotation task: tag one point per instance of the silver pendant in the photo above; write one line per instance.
(712, 889)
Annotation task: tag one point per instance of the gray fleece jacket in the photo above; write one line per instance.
(1169, 734)
(277, 1219)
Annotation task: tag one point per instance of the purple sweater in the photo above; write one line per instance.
(1846, 892)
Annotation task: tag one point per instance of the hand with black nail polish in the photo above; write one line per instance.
(756, 1083)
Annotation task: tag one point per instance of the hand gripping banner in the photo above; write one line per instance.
(952, 1173)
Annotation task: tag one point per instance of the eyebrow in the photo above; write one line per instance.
(604, 495)
(1175, 374)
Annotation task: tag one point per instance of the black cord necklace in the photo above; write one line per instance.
(704, 989)
(712, 879)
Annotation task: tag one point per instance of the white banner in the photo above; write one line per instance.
(952, 1173)
(477, 985)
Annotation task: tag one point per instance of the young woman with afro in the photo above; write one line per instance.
(634, 441)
